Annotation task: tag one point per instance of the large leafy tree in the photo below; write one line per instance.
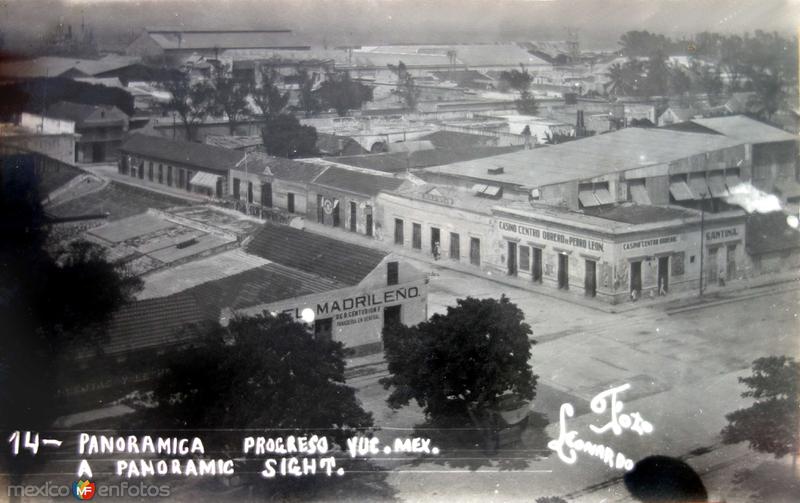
(625, 79)
(461, 365)
(308, 100)
(193, 102)
(230, 96)
(51, 298)
(284, 136)
(707, 79)
(267, 374)
(267, 96)
(771, 423)
(406, 88)
(341, 93)
(657, 76)
(520, 81)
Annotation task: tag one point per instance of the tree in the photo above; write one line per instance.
(769, 95)
(230, 97)
(192, 102)
(260, 373)
(406, 89)
(48, 301)
(308, 100)
(284, 136)
(460, 365)
(656, 80)
(267, 96)
(342, 94)
(625, 79)
(771, 423)
(520, 80)
(707, 79)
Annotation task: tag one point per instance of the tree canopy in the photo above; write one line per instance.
(459, 366)
(261, 371)
(341, 93)
(520, 81)
(406, 88)
(771, 423)
(284, 136)
(193, 102)
(267, 96)
(230, 96)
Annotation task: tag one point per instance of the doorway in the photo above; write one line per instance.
(636, 277)
(368, 218)
(266, 195)
(730, 270)
(713, 267)
(663, 275)
(563, 271)
(536, 268)
(590, 280)
(97, 152)
(512, 258)
(353, 216)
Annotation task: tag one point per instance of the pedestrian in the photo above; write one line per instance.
(436, 252)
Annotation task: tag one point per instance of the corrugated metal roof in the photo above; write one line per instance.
(182, 152)
(283, 169)
(80, 113)
(171, 40)
(311, 253)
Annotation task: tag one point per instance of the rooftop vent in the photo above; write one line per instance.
(496, 171)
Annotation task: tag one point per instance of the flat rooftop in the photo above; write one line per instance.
(588, 157)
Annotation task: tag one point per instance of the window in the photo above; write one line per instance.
(323, 328)
(249, 192)
(169, 175)
(290, 202)
(392, 273)
(368, 218)
(181, 178)
(150, 172)
(392, 315)
(160, 173)
(416, 236)
(398, 231)
(236, 188)
(455, 246)
(524, 258)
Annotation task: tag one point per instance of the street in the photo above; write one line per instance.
(682, 369)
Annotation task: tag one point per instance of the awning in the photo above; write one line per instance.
(680, 191)
(603, 196)
(478, 188)
(699, 187)
(203, 179)
(732, 181)
(492, 190)
(639, 193)
(717, 185)
(588, 199)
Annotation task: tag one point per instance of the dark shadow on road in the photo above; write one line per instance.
(462, 446)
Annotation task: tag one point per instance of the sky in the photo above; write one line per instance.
(600, 22)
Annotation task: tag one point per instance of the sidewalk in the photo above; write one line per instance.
(674, 301)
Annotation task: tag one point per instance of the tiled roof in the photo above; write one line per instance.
(283, 169)
(260, 285)
(182, 152)
(401, 161)
(315, 254)
(357, 182)
(155, 323)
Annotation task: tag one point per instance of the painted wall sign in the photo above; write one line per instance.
(552, 236)
(717, 235)
(366, 306)
(647, 243)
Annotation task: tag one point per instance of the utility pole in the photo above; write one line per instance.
(702, 236)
